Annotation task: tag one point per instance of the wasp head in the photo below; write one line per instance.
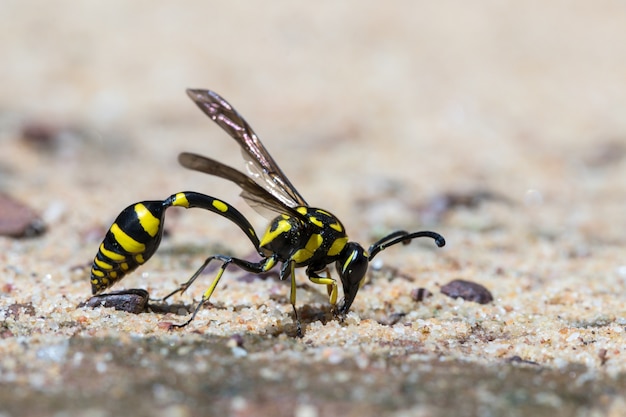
(352, 266)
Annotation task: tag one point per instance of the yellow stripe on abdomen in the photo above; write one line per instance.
(126, 242)
(102, 264)
(148, 222)
(114, 256)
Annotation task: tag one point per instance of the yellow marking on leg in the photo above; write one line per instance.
(331, 286)
(128, 243)
(114, 256)
(332, 297)
(337, 246)
(180, 200)
(292, 294)
(322, 280)
(304, 254)
(220, 205)
(207, 294)
(331, 289)
(282, 226)
(148, 222)
(269, 264)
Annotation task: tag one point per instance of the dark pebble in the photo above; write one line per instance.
(40, 134)
(518, 359)
(132, 301)
(443, 203)
(17, 219)
(391, 319)
(17, 309)
(606, 153)
(467, 290)
(237, 339)
(419, 294)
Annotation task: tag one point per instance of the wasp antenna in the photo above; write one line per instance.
(403, 237)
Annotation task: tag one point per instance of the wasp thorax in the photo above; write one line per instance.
(282, 235)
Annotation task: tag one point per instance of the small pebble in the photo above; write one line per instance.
(15, 310)
(419, 294)
(17, 219)
(467, 290)
(443, 203)
(235, 340)
(603, 355)
(518, 359)
(132, 301)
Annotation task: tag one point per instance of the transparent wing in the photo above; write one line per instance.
(260, 165)
(253, 193)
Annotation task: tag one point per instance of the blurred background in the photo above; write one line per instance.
(419, 89)
(501, 125)
(404, 85)
(369, 109)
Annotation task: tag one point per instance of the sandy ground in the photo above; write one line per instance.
(514, 112)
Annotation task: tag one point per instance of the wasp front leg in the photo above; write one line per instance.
(288, 270)
(331, 284)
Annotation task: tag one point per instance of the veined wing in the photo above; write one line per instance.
(260, 165)
(253, 193)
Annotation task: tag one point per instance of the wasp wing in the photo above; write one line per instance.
(252, 192)
(260, 165)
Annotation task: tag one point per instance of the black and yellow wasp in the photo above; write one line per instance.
(300, 236)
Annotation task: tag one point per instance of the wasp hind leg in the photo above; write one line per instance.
(255, 267)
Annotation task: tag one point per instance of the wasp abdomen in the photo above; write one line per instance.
(131, 240)
(136, 234)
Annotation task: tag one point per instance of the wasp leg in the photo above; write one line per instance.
(254, 267)
(183, 287)
(289, 270)
(331, 284)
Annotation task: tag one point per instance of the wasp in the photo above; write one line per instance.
(300, 236)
